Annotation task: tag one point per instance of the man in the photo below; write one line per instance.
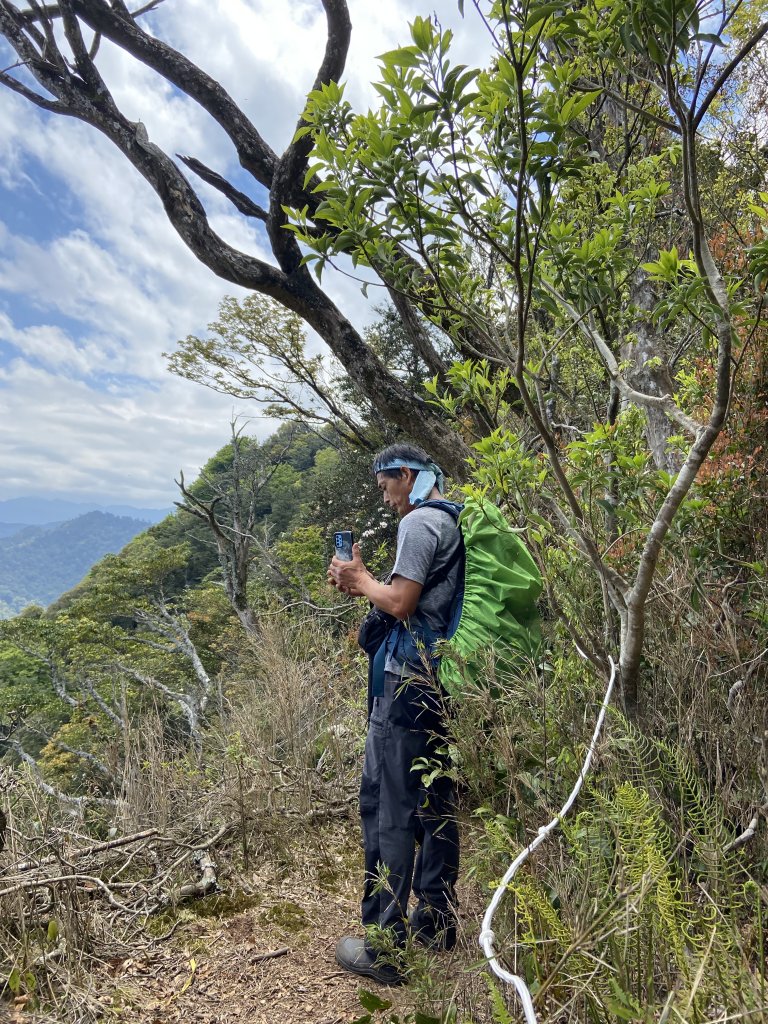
(406, 722)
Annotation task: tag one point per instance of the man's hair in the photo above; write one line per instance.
(399, 453)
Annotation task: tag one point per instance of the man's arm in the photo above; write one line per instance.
(398, 598)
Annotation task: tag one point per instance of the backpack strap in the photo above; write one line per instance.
(453, 509)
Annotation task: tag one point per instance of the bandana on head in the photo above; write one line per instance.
(428, 476)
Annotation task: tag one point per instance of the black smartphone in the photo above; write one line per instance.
(342, 542)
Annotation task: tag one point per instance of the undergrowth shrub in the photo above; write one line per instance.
(276, 766)
(295, 710)
(643, 906)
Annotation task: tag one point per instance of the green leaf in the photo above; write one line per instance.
(578, 104)
(421, 33)
(371, 1002)
(53, 930)
(425, 108)
(540, 13)
(709, 37)
(628, 38)
(654, 51)
(623, 1004)
(405, 57)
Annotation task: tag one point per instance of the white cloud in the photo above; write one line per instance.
(54, 349)
(69, 437)
(88, 406)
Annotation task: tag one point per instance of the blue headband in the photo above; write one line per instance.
(429, 475)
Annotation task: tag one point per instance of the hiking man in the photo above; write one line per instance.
(406, 721)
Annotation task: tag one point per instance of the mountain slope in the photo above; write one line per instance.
(39, 563)
(44, 511)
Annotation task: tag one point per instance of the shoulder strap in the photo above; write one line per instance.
(458, 555)
(452, 507)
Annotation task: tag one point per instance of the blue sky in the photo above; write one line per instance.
(95, 285)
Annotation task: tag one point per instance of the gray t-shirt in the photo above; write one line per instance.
(427, 539)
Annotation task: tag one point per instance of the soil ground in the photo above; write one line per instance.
(272, 962)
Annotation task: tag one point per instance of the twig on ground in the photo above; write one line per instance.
(85, 851)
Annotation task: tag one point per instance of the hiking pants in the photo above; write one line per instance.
(397, 811)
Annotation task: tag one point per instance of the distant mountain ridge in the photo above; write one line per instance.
(35, 511)
(8, 529)
(39, 563)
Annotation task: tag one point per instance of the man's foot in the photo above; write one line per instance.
(352, 955)
(431, 929)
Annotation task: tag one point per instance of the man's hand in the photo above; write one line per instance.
(348, 576)
(399, 597)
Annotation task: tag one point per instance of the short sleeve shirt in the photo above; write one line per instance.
(427, 539)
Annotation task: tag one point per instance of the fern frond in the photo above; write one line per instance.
(499, 1011)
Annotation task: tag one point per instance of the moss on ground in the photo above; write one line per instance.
(288, 916)
(219, 906)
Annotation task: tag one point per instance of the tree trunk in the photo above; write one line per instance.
(649, 372)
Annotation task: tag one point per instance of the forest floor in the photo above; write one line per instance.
(263, 953)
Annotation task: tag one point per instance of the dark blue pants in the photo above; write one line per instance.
(398, 812)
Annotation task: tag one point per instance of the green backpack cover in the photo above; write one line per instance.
(496, 608)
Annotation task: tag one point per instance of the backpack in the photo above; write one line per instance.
(494, 607)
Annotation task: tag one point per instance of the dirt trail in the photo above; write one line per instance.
(217, 971)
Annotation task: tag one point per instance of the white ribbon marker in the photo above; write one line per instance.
(487, 937)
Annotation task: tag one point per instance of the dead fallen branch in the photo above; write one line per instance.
(749, 832)
(136, 875)
(205, 885)
(87, 881)
(87, 851)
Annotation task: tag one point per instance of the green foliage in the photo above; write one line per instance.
(121, 583)
(341, 494)
(501, 1014)
(646, 903)
(656, 28)
(304, 554)
(445, 120)
(257, 350)
(23, 680)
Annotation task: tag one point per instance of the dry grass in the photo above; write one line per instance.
(280, 766)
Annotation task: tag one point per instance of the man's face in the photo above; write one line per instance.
(396, 490)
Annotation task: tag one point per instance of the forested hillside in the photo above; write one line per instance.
(38, 563)
(573, 240)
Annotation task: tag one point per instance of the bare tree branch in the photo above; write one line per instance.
(239, 199)
(726, 73)
(48, 789)
(665, 403)
(85, 97)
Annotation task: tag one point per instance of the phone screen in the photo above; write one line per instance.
(342, 541)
